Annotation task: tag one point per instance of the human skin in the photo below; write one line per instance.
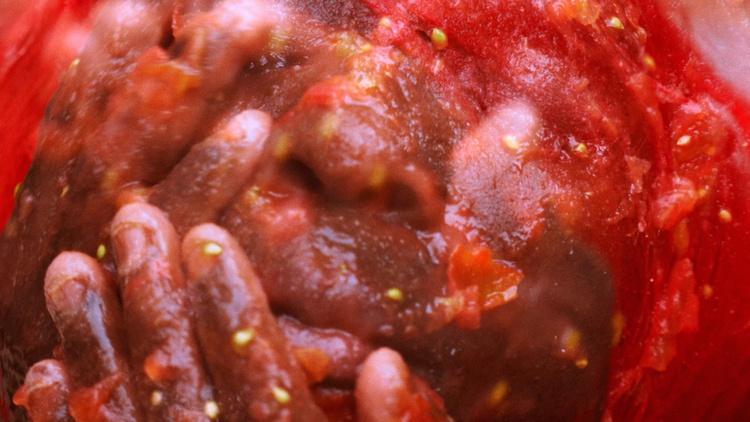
(649, 374)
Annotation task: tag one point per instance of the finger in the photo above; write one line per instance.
(506, 201)
(221, 41)
(163, 352)
(247, 356)
(169, 102)
(212, 173)
(385, 391)
(342, 352)
(382, 389)
(56, 188)
(45, 392)
(83, 305)
(122, 30)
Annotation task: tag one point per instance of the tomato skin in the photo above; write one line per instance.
(706, 377)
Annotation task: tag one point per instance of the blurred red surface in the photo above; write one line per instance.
(708, 377)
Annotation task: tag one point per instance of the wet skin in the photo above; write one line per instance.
(371, 237)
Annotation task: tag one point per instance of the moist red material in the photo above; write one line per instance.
(623, 138)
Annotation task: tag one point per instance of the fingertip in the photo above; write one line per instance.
(68, 277)
(44, 373)
(138, 213)
(382, 386)
(137, 229)
(205, 233)
(386, 362)
(202, 247)
(250, 127)
(44, 391)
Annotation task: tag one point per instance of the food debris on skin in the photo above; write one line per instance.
(212, 249)
(278, 40)
(570, 341)
(282, 147)
(252, 195)
(615, 23)
(684, 140)
(110, 180)
(211, 409)
(328, 126)
(101, 252)
(618, 325)
(385, 22)
(439, 38)
(156, 398)
(281, 395)
(571, 347)
(394, 294)
(482, 282)
(725, 216)
(378, 176)
(649, 62)
(511, 142)
(498, 393)
(242, 338)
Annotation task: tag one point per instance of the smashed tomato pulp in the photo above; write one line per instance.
(649, 143)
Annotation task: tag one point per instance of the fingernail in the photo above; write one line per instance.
(130, 242)
(64, 291)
